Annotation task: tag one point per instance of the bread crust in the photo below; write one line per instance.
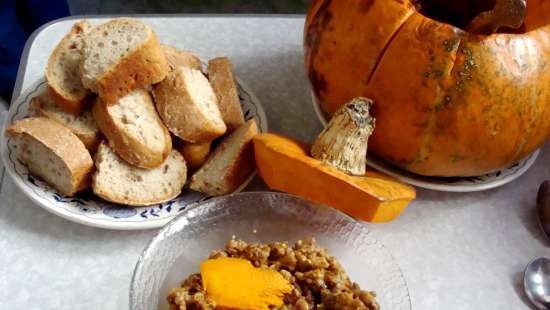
(181, 113)
(143, 65)
(90, 139)
(220, 74)
(63, 144)
(236, 172)
(176, 57)
(195, 154)
(132, 150)
(146, 65)
(71, 104)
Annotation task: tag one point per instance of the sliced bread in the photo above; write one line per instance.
(230, 164)
(134, 129)
(117, 181)
(52, 152)
(195, 154)
(188, 106)
(82, 125)
(220, 74)
(176, 58)
(119, 56)
(63, 69)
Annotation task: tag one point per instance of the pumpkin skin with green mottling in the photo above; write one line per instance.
(447, 102)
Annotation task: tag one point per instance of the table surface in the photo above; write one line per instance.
(457, 251)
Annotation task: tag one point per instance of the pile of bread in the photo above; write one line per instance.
(131, 118)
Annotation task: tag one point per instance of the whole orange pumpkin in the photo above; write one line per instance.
(447, 102)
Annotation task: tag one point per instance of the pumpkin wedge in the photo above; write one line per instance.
(284, 164)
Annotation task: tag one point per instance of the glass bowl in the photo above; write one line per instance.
(178, 248)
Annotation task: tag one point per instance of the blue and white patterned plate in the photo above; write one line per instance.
(89, 209)
(455, 184)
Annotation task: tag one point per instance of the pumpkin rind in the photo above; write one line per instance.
(492, 108)
(408, 88)
(331, 29)
(538, 14)
(477, 108)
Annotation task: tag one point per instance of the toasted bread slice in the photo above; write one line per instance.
(117, 181)
(188, 106)
(134, 129)
(82, 125)
(195, 154)
(120, 56)
(220, 74)
(176, 58)
(63, 69)
(52, 152)
(230, 164)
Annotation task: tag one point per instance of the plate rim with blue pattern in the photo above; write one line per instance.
(86, 208)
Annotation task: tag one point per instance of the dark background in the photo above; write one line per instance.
(79, 7)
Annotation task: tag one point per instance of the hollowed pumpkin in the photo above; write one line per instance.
(447, 102)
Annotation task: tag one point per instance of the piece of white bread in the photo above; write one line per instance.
(176, 58)
(52, 152)
(188, 106)
(63, 69)
(134, 129)
(119, 56)
(230, 164)
(117, 181)
(82, 125)
(195, 154)
(220, 74)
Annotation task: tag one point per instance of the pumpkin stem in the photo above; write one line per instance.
(506, 13)
(343, 143)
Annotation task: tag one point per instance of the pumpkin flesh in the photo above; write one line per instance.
(285, 165)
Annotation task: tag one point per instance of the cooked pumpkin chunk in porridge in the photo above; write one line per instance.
(274, 276)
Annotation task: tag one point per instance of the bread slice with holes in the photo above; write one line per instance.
(188, 106)
(121, 55)
(82, 125)
(63, 69)
(230, 164)
(220, 74)
(52, 152)
(117, 181)
(134, 129)
(176, 58)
